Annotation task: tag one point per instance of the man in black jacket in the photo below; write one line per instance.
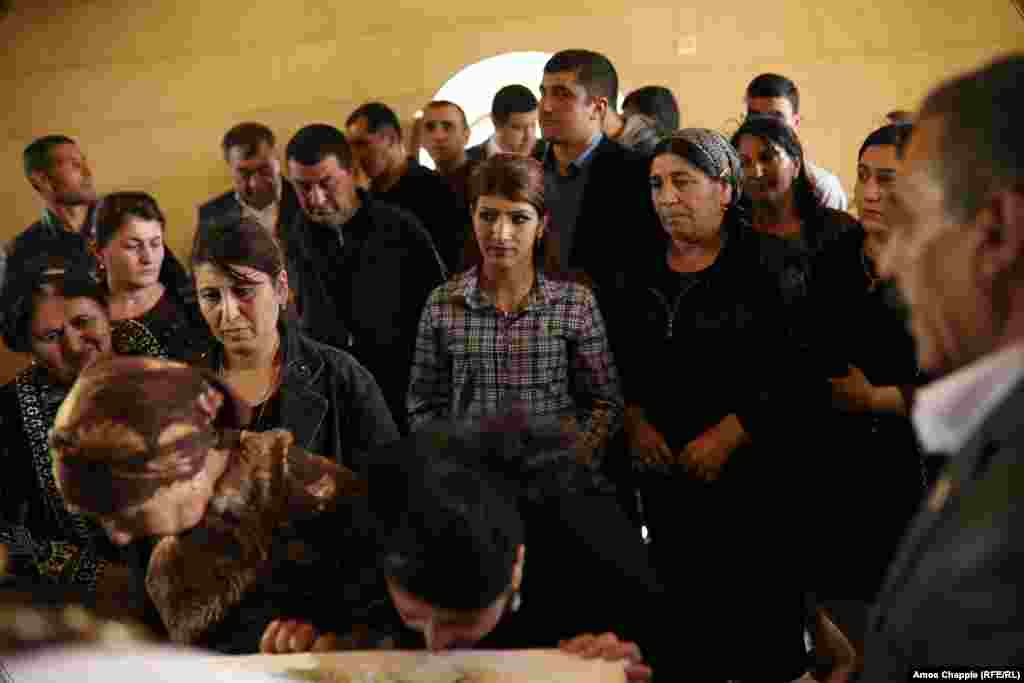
(260, 192)
(59, 172)
(360, 269)
(375, 135)
(597, 190)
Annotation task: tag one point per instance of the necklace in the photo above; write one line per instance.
(262, 403)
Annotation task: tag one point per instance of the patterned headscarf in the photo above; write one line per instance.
(132, 425)
(709, 151)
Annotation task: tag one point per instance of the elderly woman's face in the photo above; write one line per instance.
(68, 335)
(768, 169)
(689, 203)
(243, 314)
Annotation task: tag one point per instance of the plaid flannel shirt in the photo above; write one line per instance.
(552, 357)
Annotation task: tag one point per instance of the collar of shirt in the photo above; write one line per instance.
(491, 147)
(577, 164)
(542, 293)
(55, 222)
(267, 217)
(949, 411)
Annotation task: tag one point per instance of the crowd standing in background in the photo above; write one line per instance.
(638, 390)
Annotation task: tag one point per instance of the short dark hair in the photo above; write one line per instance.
(118, 206)
(230, 244)
(895, 134)
(775, 85)
(60, 272)
(449, 528)
(512, 99)
(316, 142)
(437, 104)
(593, 71)
(378, 115)
(900, 116)
(982, 145)
(249, 136)
(36, 156)
(657, 102)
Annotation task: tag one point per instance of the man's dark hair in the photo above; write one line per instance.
(512, 99)
(895, 134)
(36, 156)
(378, 115)
(316, 142)
(437, 104)
(449, 526)
(593, 71)
(657, 102)
(774, 85)
(249, 136)
(981, 148)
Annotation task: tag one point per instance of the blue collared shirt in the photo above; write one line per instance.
(564, 193)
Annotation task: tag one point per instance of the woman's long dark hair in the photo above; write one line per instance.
(772, 131)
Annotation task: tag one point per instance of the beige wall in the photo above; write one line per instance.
(149, 90)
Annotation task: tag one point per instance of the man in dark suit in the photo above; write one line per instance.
(952, 597)
(597, 191)
(259, 193)
(514, 115)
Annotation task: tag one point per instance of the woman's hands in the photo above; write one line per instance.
(607, 646)
(287, 636)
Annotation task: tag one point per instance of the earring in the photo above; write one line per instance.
(517, 602)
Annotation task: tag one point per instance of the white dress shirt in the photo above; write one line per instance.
(949, 411)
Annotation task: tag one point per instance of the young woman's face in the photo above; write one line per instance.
(506, 231)
(876, 172)
(69, 335)
(134, 255)
(241, 314)
(770, 171)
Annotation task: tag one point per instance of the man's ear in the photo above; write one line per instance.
(600, 107)
(1001, 225)
(796, 121)
(281, 287)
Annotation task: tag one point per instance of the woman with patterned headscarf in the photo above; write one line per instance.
(705, 399)
(250, 525)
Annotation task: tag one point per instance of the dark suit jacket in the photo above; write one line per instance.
(225, 209)
(953, 593)
(616, 223)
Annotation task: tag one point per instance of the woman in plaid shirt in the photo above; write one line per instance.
(502, 333)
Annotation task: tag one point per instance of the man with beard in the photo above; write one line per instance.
(259, 193)
(360, 269)
(597, 190)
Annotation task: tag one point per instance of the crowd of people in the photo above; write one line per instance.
(744, 434)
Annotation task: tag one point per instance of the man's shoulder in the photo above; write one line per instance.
(391, 221)
(477, 152)
(827, 186)
(219, 205)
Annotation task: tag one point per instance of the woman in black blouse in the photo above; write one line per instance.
(148, 289)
